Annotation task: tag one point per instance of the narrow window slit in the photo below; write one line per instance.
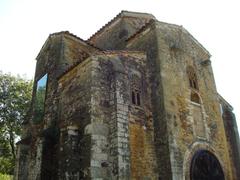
(133, 97)
(138, 99)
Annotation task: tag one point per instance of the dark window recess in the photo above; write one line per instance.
(192, 78)
(136, 97)
(133, 97)
(190, 82)
(194, 85)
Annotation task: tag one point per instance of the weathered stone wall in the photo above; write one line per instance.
(232, 135)
(59, 53)
(97, 79)
(146, 41)
(74, 116)
(103, 83)
(143, 155)
(136, 155)
(185, 125)
(189, 123)
(119, 123)
(46, 63)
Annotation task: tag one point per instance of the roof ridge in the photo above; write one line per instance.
(121, 51)
(77, 37)
(121, 14)
(196, 41)
(146, 25)
(104, 26)
(134, 12)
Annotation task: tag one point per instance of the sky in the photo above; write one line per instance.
(26, 24)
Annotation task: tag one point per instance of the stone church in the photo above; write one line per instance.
(137, 100)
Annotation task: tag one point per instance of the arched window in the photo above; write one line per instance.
(192, 77)
(136, 98)
(195, 97)
(136, 89)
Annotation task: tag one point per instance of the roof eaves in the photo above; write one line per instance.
(189, 34)
(68, 34)
(72, 67)
(225, 102)
(43, 47)
(197, 42)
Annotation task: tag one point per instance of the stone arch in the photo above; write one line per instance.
(205, 165)
(190, 154)
(195, 97)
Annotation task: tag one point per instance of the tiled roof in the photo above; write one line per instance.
(121, 14)
(141, 30)
(68, 34)
(103, 27)
(75, 36)
(122, 52)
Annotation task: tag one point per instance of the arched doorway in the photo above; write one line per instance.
(205, 166)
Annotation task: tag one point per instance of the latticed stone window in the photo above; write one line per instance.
(136, 90)
(192, 77)
(136, 97)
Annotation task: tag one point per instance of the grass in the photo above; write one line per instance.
(5, 177)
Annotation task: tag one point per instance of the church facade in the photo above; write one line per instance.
(137, 100)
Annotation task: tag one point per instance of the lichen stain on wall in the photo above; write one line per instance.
(142, 152)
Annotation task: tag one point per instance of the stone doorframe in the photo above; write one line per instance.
(189, 154)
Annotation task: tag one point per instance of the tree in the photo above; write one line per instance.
(15, 98)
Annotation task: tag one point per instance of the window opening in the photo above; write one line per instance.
(133, 97)
(136, 84)
(138, 99)
(195, 97)
(192, 78)
(40, 99)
